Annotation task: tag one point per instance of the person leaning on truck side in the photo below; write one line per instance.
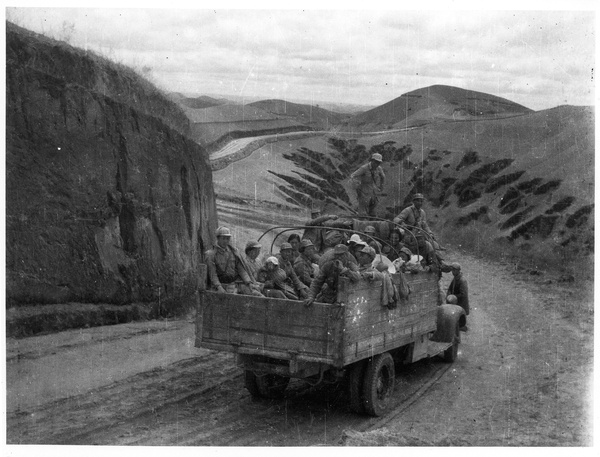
(303, 265)
(324, 287)
(367, 270)
(368, 180)
(226, 269)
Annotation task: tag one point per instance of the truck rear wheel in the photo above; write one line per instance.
(267, 385)
(272, 385)
(379, 384)
(356, 378)
(250, 383)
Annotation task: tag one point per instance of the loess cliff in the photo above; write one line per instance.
(107, 199)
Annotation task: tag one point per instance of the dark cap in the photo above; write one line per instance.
(418, 197)
(340, 249)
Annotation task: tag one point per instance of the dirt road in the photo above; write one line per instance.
(523, 378)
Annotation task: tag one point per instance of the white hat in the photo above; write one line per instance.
(272, 260)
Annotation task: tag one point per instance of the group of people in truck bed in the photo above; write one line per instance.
(308, 267)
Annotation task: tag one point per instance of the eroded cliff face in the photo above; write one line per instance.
(105, 203)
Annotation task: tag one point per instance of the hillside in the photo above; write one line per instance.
(107, 200)
(436, 103)
(313, 116)
(525, 181)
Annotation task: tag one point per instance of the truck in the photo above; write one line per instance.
(357, 340)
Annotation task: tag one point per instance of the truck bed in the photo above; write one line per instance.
(331, 334)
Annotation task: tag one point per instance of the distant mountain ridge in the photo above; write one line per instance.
(314, 116)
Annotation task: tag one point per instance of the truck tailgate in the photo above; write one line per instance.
(271, 327)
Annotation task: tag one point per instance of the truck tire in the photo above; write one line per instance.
(451, 354)
(356, 378)
(271, 385)
(378, 384)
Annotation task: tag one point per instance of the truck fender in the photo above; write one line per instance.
(449, 319)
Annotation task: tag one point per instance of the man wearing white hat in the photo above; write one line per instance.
(368, 180)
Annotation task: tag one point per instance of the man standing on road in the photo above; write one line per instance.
(226, 269)
(458, 287)
(368, 180)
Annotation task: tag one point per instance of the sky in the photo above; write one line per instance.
(539, 58)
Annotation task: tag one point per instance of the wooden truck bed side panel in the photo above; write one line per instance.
(370, 328)
(268, 326)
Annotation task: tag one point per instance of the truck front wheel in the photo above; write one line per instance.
(451, 354)
(356, 378)
(379, 384)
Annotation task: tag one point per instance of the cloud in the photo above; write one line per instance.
(369, 56)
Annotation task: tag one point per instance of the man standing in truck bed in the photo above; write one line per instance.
(368, 180)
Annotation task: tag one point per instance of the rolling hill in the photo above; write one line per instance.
(434, 104)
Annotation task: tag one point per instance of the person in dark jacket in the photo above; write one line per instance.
(459, 288)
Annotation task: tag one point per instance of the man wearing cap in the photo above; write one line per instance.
(251, 261)
(316, 233)
(324, 287)
(369, 238)
(226, 269)
(330, 254)
(368, 180)
(459, 287)
(303, 265)
(414, 216)
(365, 258)
(285, 258)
